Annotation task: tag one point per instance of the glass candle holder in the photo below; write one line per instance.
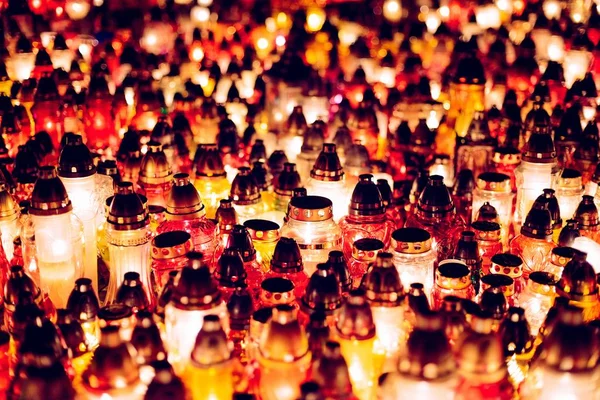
(287, 263)
(239, 239)
(155, 175)
(337, 262)
(385, 293)
(194, 296)
(58, 236)
(534, 244)
(436, 213)
(284, 184)
(414, 257)
(505, 161)
(119, 316)
(327, 180)
(537, 298)
(559, 257)
(168, 254)
(310, 222)
(9, 220)
(78, 174)
(84, 305)
(569, 189)
(211, 362)
(128, 237)
(588, 219)
(579, 285)
(452, 278)
(355, 331)
(245, 196)
(113, 371)
(488, 237)
(366, 216)
(467, 251)
(427, 345)
(230, 273)
(364, 253)
(283, 355)
(210, 177)
(510, 265)
(505, 283)
(186, 212)
(265, 235)
(495, 189)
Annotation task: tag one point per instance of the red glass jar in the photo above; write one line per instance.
(366, 217)
(168, 254)
(436, 213)
(487, 235)
(364, 253)
(46, 110)
(512, 266)
(452, 278)
(287, 263)
(275, 291)
(98, 116)
(534, 244)
(363, 126)
(155, 175)
(185, 212)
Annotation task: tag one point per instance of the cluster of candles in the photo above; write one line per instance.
(345, 201)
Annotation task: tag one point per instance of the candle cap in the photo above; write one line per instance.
(569, 233)
(469, 71)
(327, 167)
(342, 139)
(428, 355)
(504, 282)
(382, 283)
(355, 318)
(337, 262)
(276, 162)
(109, 168)
(549, 196)
(386, 192)
(314, 139)
(239, 239)
(83, 302)
(258, 151)
(113, 364)
(261, 176)
(8, 206)
(310, 209)
(228, 140)
(417, 299)
(211, 347)
(195, 288)
(366, 199)
(128, 210)
(323, 292)
(494, 182)
(454, 317)
(480, 355)
(230, 270)
(586, 214)
(165, 384)
(170, 245)
(435, 200)
(282, 338)
(507, 264)
(363, 119)
(183, 201)
(46, 90)
(131, 292)
(486, 230)
(226, 216)
(467, 248)
(506, 156)
(26, 165)
(49, 196)
(146, 339)
(287, 257)
(538, 223)
(540, 147)
(240, 308)
(155, 168)
(43, 342)
(330, 372)
(564, 354)
(494, 302)
(296, 123)
(560, 256)
(514, 331)
(72, 332)
(542, 282)
(357, 157)
(578, 281)
(465, 183)
(244, 190)
(208, 162)
(276, 290)
(262, 230)
(287, 180)
(366, 249)
(453, 275)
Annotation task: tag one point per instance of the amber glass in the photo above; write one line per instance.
(489, 242)
(452, 278)
(534, 252)
(359, 227)
(168, 254)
